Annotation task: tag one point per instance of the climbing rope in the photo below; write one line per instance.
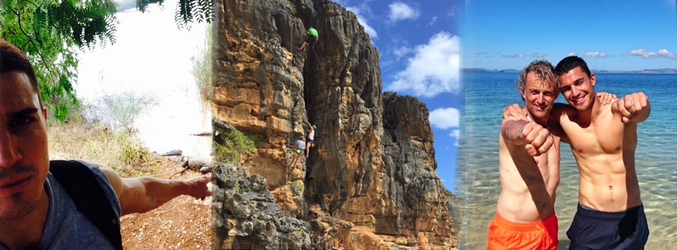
(326, 76)
(284, 203)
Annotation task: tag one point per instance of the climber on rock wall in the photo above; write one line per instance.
(299, 147)
(312, 38)
(311, 138)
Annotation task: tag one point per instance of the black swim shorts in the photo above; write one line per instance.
(592, 229)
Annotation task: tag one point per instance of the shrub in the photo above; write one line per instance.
(234, 143)
(202, 68)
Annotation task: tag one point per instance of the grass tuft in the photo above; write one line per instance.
(234, 143)
(118, 149)
(291, 5)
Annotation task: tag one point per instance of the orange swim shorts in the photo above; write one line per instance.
(504, 234)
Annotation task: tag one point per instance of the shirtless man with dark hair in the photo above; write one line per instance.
(603, 139)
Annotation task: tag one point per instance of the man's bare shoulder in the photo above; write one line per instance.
(113, 177)
(561, 109)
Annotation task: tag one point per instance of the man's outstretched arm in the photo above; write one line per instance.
(520, 132)
(510, 130)
(142, 194)
(634, 107)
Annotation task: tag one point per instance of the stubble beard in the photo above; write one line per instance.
(537, 114)
(17, 206)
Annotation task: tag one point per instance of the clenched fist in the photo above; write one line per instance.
(198, 186)
(538, 139)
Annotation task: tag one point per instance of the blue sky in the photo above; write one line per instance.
(609, 35)
(418, 45)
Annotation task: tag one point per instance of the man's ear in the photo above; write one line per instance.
(524, 97)
(592, 78)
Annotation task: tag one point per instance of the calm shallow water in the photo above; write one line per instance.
(485, 95)
(152, 59)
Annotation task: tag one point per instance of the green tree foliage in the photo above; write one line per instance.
(187, 11)
(49, 32)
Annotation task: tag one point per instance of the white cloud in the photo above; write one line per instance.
(363, 21)
(444, 118)
(401, 11)
(454, 10)
(663, 53)
(596, 54)
(513, 56)
(433, 21)
(477, 54)
(433, 69)
(571, 54)
(402, 51)
(454, 134)
(537, 55)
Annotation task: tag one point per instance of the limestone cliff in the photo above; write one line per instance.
(369, 182)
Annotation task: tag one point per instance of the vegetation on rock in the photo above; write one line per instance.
(234, 143)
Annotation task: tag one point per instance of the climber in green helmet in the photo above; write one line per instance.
(312, 38)
(311, 137)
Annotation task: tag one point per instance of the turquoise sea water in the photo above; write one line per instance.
(485, 95)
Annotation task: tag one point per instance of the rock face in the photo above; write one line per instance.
(258, 83)
(369, 182)
(247, 217)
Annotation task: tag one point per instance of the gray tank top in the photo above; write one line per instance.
(67, 228)
(300, 144)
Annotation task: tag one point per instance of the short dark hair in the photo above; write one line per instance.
(13, 59)
(569, 63)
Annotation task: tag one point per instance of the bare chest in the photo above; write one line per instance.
(603, 136)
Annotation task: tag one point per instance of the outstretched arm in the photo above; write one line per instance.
(510, 130)
(142, 194)
(634, 107)
(310, 126)
(519, 132)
